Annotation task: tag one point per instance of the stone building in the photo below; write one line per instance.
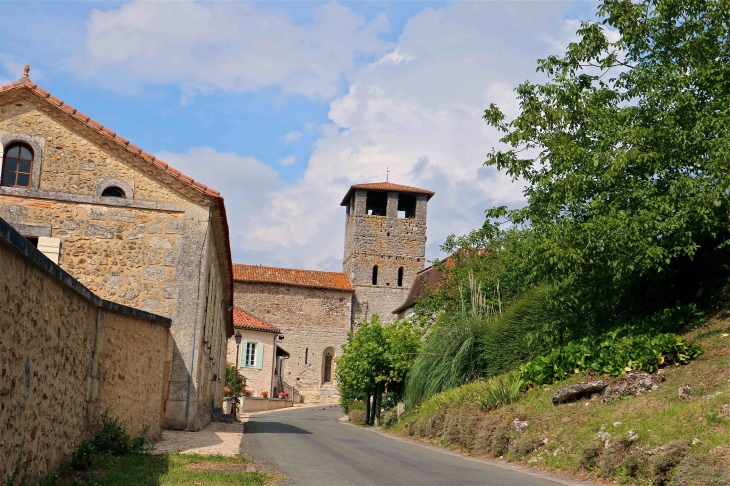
(385, 245)
(385, 239)
(257, 351)
(313, 311)
(127, 226)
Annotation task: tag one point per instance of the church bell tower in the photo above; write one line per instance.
(385, 245)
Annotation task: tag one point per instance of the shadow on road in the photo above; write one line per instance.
(272, 428)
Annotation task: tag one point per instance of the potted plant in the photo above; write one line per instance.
(265, 394)
(283, 395)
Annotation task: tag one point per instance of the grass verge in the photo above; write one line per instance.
(166, 469)
(676, 438)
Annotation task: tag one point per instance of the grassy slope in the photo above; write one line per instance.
(659, 417)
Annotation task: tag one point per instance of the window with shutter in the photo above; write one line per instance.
(259, 355)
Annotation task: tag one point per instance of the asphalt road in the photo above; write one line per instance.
(311, 447)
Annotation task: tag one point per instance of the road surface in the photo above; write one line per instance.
(311, 447)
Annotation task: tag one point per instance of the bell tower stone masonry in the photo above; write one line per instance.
(385, 246)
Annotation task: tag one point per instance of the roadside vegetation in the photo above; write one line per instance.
(674, 441)
(607, 272)
(113, 457)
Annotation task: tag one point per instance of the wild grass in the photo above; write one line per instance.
(564, 433)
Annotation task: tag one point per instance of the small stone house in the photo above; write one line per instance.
(127, 226)
(257, 353)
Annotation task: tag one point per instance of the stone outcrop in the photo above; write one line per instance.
(633, 383)
(686, 392)
(579, 390)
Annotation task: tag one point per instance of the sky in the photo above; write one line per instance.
(282, 106)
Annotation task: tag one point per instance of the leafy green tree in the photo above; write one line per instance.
(497, 259)
(375, 357)
(625, 153)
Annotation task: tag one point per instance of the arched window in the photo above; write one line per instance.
(400, 277)
(375, 275)
(327, 363)
(113, 191)
(17, 165)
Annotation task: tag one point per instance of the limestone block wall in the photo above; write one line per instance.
(151, 250)
(312, 320)
(65, 356)
(256, 379)
(388, 242)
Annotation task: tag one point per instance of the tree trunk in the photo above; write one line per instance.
(367, 410)
(378, 400)
(371, 417)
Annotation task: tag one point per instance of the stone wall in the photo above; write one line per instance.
(66, 356)
(390, 243)
(256, 380)
(153, 250)
(312, 320)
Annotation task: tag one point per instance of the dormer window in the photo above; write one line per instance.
(17, 165)
(113, 192)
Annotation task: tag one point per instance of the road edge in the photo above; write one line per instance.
(537, 473)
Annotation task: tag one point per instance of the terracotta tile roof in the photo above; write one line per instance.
(290, 276)
(41, 93)
(426, 280)
(244, 320)
(25, 84)
(385, 186)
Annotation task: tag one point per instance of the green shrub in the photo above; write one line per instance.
(590, 454)
(357, 416)
(614, 456)
(613, 353)
(525, 445)
(672, 455)
(112, 438)
(448, 359)
(525, 330)
(500, 440)
(356, 405)
(85, 456)
(701, 470)
(391, 418)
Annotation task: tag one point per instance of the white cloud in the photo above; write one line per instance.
(204, 46)
(288, 160)
(244, 182)
(292, 137)
(394, 57)
(420, 118)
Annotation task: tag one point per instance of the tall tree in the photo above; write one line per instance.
(376, 357)
(625, 154)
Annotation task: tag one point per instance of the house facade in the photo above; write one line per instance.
(130, 228)
(257, 352)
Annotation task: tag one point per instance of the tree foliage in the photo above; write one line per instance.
(625, 154)
(375, 356)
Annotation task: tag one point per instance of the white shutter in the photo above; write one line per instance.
(50, 247)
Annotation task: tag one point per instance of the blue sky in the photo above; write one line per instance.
(282, 105)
